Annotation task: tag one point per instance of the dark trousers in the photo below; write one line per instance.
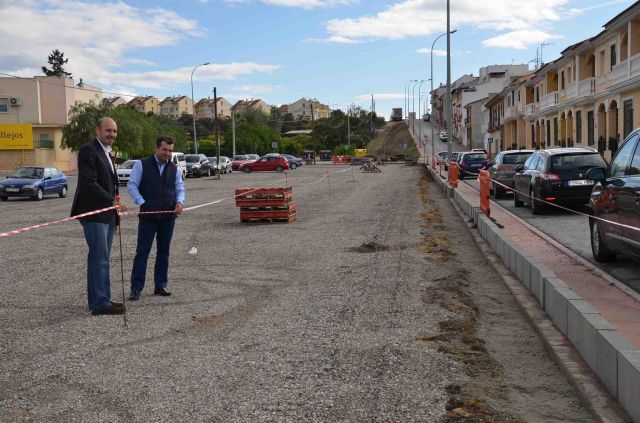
(149, 229)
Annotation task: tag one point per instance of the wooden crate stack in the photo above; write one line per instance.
(266, 205)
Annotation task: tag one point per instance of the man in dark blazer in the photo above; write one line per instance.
(97, 189)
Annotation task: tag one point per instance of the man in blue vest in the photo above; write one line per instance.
(156, 186)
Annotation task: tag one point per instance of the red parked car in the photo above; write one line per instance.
(266, 164)
(238, 160)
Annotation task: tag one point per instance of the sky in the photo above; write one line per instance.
(340, 52)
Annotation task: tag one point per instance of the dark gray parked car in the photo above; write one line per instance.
(503, 169)
(616, 200)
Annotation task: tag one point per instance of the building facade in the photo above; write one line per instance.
(206, 108)
(38, 107)
(146, 104)
(174, 107)
(308, 109)
(258, 104)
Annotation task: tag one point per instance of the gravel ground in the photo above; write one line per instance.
(323, 319)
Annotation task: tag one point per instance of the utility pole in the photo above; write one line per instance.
(215, 120)
(449, 111)
(233, 131)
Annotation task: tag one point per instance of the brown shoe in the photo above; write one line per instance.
(108, 311)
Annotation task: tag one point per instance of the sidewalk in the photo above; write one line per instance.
(599, 318)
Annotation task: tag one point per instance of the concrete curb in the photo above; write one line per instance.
(549, 302)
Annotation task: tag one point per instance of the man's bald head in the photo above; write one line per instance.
(107, 130)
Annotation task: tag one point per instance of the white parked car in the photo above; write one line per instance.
(124, 172)
(180, 161)
(225, 163)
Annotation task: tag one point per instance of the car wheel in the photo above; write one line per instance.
(516, 200)
(3, 198)
(39, 195)
(601, 253)
(246, 169)
(63, 192)
(293, 165)
(279, 169)
(537, 207)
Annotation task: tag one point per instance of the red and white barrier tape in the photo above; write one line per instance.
(558, 205)
(68, 219)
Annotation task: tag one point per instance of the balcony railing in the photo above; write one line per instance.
(549, 100)
(620, 72)
(571, 91)
(587, 87)
(508, 112)
(634, 65)
(530, 109)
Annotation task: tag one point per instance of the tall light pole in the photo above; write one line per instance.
(449, 111)
(414, 120)
(193, 108)
(433, 151)
(413, 96)
(406, 96)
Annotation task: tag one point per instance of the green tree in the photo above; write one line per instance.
(136, 132)
(57, 61)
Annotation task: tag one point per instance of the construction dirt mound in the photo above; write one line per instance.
(389, 142)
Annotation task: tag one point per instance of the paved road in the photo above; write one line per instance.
(569, 229)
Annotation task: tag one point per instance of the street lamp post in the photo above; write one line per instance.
(419, 115)
(449, 106)
(193, 108)
(413, 108)
(433, 151)
(406, 96)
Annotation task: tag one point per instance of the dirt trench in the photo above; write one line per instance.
(510, 377)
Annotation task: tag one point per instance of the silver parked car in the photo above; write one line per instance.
(225, 164)
(503, 169)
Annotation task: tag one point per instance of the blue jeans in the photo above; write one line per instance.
(149, 229)
(99, 237)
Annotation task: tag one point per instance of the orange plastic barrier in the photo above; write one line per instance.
(485, 204)
(453, 174)
(340, 159)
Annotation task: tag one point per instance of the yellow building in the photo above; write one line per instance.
(174, 107)
(587, 97)
(37, 108)
(145, 104)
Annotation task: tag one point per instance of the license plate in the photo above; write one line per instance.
(476, 165)
(580, 182)
(12, 189)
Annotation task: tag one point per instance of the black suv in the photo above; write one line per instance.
(557, 175)
(615, 204)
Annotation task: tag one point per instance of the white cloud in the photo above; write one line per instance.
(518, 39)
(412, 18)
(436, 52)
(98, 38)
(256, 89)
(304, 4)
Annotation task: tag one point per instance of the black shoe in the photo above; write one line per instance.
(162, 292)
(135, 296)
(116, 305)
(109, 310)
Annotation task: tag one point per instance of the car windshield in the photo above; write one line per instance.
(28, 172)
(442, 154)
(240, 157)
(572, 161)
(475, 156)
(212, 159)
(192, 159)
(454, 156)
(223, 158)
(128, 164)
(515, 158)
